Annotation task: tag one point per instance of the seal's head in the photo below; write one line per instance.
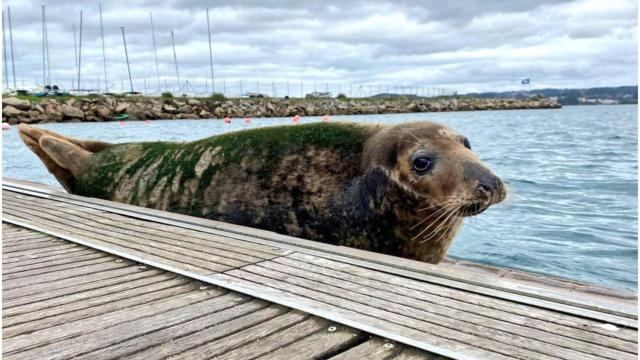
(441, 178)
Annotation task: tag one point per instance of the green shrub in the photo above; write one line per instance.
(217, 97)
(166, 95)
(341, 97)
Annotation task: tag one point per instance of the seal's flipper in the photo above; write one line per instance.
(64, 157)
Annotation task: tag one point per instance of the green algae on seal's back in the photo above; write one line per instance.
(341, 183)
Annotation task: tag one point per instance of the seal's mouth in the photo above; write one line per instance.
(473, 209)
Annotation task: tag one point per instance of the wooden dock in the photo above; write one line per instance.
(88, 278)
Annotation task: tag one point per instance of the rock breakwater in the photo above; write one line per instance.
(98, 109)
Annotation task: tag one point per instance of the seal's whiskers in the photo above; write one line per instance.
(442, 226)
(449, 208)
(443, 207)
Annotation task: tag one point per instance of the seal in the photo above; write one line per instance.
(402, 190)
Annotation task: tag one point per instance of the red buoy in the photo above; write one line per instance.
(227, 120)
(247, 120)
(295, 119)
(325, 118)
(147, 122)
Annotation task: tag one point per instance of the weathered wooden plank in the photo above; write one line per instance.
(263, 346)
(77, 299)
(134, 235)
(16, 232)
(60, 223)
(73, 258)
(160, 229)
(209, 335)
(80, 251)
(415, 354)
(45, 318)
(142, 251)
(121, 276)
(27, 245)
(319, 345)
(15, 256)
(170, 336)
(32, 291)
(319, 305)
(432, 323)
(503, 288)
(19, 346)
(69, 274)
(414, 288)
(239, 339)
(41, 272)
(372, 349)
(454, 309)
(131, 329)
(32, 237)
(128, 225)
(24, 258)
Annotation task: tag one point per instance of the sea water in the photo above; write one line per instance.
(571, 175)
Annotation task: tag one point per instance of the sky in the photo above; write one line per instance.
(345, 46)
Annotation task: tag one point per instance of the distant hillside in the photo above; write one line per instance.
(591, 96)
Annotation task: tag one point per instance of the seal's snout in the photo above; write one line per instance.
(487, 189)
(490, 188)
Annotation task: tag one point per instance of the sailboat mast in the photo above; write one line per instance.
(44, 64)
(46, 45)
(13, 63)
(80, 50)
(104, 56)
(213, 84)
(126, 54)
(75, 48)
(175, 58)
(155, 50)
(4, 55)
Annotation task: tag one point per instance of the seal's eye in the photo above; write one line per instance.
(466, 143)
(422, 164)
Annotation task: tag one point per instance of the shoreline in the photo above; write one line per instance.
(30, 110)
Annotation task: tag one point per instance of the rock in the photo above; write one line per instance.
(10, 111)
(193, 102)
(16, 103)
(122, 107)
(204, 114)
(413, 107)
(169, 109)
(54, 115)
(38, 108)
(219, 112)
(71, 112)
(93, 118)
(103, 112)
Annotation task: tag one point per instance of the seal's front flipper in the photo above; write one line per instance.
(64, 157)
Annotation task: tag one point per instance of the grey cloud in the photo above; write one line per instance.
(466, 45)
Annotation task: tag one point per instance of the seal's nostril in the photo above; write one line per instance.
(488, 185)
